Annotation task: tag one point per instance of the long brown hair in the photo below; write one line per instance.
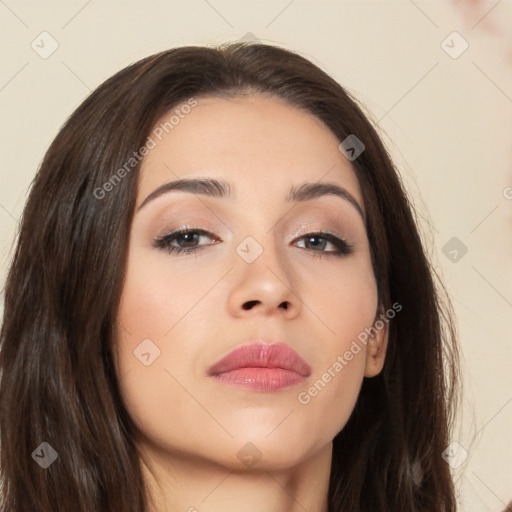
(58, 385)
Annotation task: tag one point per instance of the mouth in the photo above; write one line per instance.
(261, 367)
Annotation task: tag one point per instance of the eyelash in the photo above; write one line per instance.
(163, 242)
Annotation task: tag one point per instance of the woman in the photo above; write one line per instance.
(219, 300)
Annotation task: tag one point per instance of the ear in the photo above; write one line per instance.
(377, 345)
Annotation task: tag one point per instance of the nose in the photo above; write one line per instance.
(265, 286)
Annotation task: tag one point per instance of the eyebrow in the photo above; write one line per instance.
(223, 190)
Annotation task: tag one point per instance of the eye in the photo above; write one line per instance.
(183, 240)
(317, 242)
(186, 240)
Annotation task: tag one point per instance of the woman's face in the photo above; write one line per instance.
(257, 271)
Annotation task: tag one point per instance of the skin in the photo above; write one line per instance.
(191, 427)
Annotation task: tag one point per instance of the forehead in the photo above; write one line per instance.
(251, 142)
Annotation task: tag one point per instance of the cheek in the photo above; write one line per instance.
(156, 296)
(157, 329)
(346, 302)
(344, 298)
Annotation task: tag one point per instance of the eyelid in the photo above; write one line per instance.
(311, 230)
(302, 231)
(186, 229)
(344, 246)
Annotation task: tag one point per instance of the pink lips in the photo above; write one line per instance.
(261, 367)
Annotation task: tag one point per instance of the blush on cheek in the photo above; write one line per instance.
(146, 307)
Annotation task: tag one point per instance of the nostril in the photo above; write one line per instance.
(250, 304)
(284, 305)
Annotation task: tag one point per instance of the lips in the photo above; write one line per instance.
(261, 366)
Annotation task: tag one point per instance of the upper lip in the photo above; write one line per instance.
(262, 355)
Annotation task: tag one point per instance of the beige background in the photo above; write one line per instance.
(448, 123)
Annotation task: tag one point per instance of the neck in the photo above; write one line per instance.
(181, 483)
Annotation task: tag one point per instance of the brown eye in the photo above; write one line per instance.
(184, 240)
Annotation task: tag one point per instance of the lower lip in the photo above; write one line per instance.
(261, 379)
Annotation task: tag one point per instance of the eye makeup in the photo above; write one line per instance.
(170, 242)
